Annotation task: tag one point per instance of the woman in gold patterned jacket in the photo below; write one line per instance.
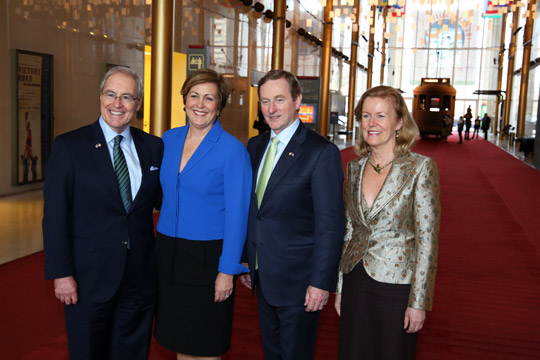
(389, 259)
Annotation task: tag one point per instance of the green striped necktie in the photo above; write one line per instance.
(122, 173)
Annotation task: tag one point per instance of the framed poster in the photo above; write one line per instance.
(34, 115)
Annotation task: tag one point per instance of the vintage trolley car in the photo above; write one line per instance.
(434, 98)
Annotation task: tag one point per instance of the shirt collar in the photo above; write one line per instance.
(110, 134)
(286, 134)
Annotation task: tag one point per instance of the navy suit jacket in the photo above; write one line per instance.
(85, 225)
(298, 230)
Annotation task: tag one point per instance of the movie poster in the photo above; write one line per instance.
(34, 115)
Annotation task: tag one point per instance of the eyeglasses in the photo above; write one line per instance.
(126, 99)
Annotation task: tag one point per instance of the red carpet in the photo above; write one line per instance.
(488, 283)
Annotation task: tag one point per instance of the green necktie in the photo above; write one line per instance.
(266, 170)
(122, 173)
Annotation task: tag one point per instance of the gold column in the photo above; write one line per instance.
(278, 43)
(162, 42)
(295, 40)
(352, 71)
(371, 50)
(383, 45)
(510, 73)
(325, 68)
(495, 126)
(527, 43)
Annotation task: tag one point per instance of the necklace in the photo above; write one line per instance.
(377, 167)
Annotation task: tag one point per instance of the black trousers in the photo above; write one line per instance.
(117, 329)
(371, 322)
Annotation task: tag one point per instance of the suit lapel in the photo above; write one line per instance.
(205, 146)
(401, 170)
(291, 153)
(356, 194)
(259, 152)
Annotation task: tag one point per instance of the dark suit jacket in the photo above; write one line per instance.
(85, 225)
(298, 230)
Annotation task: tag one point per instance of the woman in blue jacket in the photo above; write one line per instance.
(206, 181)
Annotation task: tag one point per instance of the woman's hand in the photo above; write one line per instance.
(224, 287)
(337, 304)
(414, 319)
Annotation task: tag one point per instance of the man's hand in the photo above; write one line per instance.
(65, 290)
(414, 319)
(246, 280)
(316, 299)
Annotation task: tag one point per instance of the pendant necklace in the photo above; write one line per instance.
(377, 167)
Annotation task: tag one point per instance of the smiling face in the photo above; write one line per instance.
(380, 123)
(115, 113)
(202, 105)
(277, 105)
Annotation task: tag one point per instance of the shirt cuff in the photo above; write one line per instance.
(231, 268)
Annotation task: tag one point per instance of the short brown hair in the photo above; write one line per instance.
(294, 85)
(203, 76)
(409, 130)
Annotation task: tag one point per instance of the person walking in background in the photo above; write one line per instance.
(101, 189)
(476, 127)
(486, 123)
(468, 122)
(447, 124)
(460, 125)
(296, 224)
(389, 259)
(206, 181)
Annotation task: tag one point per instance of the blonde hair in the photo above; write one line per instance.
(406, 136)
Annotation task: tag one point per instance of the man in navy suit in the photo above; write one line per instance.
(295, 228)
(98, 243)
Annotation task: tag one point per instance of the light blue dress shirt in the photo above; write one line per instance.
(284, 137)
(130, 153)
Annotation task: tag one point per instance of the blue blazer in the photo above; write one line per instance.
(209, 199)
(85, 224)
(297, 233)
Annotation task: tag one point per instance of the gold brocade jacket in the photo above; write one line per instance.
(398, 238)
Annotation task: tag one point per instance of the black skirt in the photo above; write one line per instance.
(188, 321)
(371, 322)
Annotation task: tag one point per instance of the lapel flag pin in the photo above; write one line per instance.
(291, 154)
(98, 145)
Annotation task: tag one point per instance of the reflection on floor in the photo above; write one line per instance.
(512, 149)
(21, 215)
(20, 221)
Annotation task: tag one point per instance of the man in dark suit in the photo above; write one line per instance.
(101, 188)
(296, 222)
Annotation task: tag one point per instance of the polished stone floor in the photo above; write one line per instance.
(20, 221)
(21, 214)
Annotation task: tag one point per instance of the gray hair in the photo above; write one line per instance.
(127, 71)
